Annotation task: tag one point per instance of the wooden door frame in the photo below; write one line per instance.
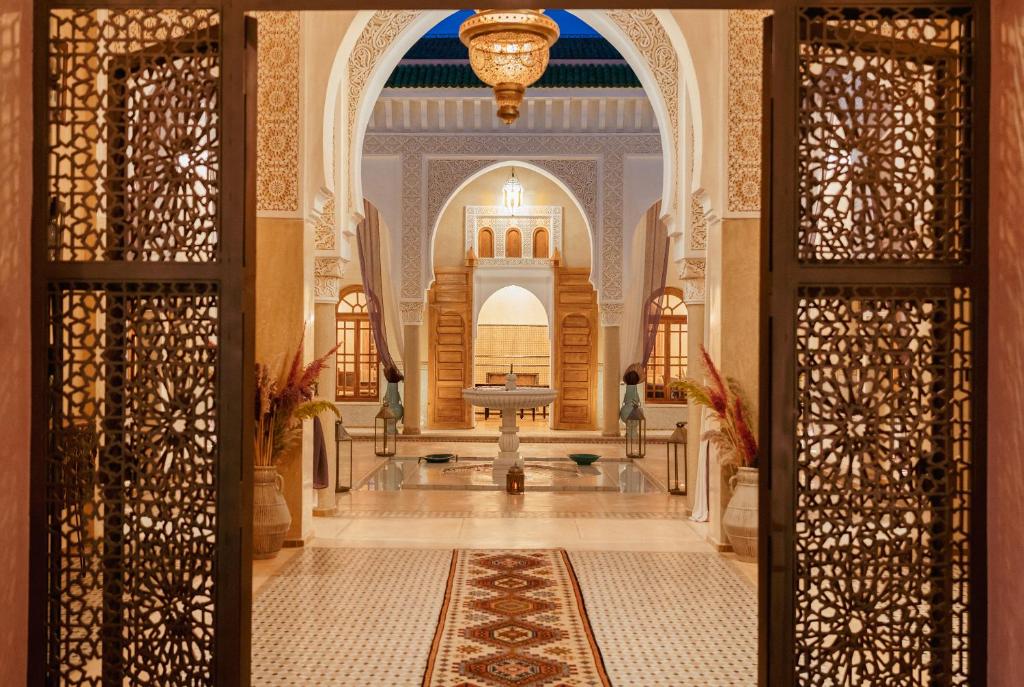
(237, 279)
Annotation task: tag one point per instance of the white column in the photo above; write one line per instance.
(412, 357)
(611, 320)
(324, 339)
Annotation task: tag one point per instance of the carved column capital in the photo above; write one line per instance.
(611, 314)
(411, 312)
(692, 271)
(327, 274)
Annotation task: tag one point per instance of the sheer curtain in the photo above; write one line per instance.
(656, 245)
(368, 241)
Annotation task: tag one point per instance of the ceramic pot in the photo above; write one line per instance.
(740, 519)
(394, 399)
(270, 516)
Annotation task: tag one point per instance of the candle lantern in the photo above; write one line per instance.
(676, 445)
(385, 431)
(515, 480)
(341, 436)
(636, 433)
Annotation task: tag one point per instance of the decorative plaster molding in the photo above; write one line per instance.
(325, 230)
(644, 29)
(327, 276)
(278, 117)
(411, 312)
(377, 36)
(698, 222)
(611, 314)
(641, 27)
(499, 220)
(424, 191)
(693, 273)
(744, 131)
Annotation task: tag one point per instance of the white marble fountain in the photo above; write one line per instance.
(509, 401)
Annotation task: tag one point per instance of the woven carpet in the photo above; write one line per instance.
(494, 618)
(513, 619)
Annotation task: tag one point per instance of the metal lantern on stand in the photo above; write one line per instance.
(636, 433)
(676, 445)
(515, 480)
(385, 431)
(342, 436)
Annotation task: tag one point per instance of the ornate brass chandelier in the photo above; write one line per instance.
(508, 50)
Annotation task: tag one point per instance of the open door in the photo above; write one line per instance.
(875, 233)
(142, 430)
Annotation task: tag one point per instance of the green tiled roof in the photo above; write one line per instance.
(565, 48)
(556, 76)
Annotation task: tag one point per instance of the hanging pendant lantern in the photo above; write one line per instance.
(512, 194)
(509, 50)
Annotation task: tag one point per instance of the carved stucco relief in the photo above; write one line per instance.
(698, 222)
(694, 276)
(642, 27)
(744, 119)
(327, 275)
(277, 119)
(422, 201)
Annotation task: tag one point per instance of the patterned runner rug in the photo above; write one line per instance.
(513, 618)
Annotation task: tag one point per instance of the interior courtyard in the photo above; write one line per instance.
(691, 358)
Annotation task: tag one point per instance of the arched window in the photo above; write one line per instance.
(668, 361)
(541, 243)
(485, 243)
(357, 359)
(513, 244)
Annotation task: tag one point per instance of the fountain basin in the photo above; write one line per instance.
(498, 398)
(509, 400)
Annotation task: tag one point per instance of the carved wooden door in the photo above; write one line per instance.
(450, 362)
(575, 354)
(873, 561)
(142, 419)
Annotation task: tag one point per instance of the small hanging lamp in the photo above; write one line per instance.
(509, 50)
(512, 193)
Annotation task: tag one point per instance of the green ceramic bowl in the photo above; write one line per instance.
(438, 457)
(583, 458)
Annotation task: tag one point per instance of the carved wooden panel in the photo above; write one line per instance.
(450, 334)
(575, 354)
(875, 426)
(139, 274)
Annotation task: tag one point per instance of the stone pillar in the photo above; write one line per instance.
(693, 295)
(611, 321)
(412, 357)
(325, 337)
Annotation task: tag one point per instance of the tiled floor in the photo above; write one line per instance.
(357, 605)
(356, 617)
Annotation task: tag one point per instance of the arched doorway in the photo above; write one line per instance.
(512, 332)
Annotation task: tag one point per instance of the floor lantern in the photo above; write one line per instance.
(515, 480)
(636, 432)
(676, 445)
(341, 436)
(385, 431)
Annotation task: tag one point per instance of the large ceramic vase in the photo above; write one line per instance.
(270, 516)
(740, 519)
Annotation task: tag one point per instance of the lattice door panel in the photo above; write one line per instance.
(877, 239)
(139, 279)
(131, 505)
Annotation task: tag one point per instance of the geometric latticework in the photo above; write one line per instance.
(134, 135)
(883, 485)
(131, 489)
(135, 420)
(885, 131)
